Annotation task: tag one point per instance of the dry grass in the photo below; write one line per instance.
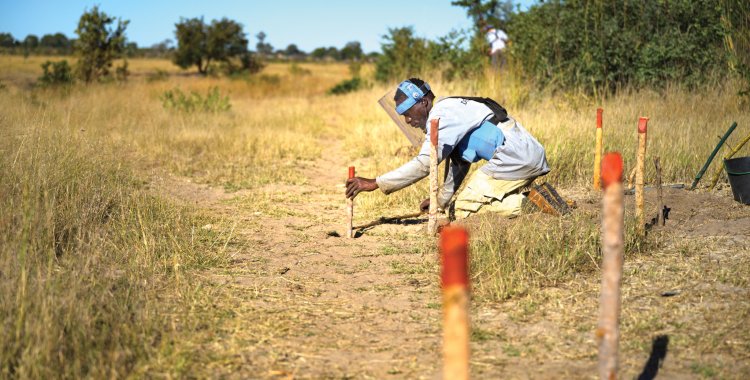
(88, 254)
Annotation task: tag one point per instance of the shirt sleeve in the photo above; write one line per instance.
(407, 174)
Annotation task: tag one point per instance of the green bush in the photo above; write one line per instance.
(99, 45)
(458, 54)
(404, 55)
(296, 70)
(597, 45)
(156, 76)
(272, 79)
(213, 101)
(347, 86)
(56, 73)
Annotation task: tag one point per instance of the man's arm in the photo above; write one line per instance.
(404, 176)
(407, 174)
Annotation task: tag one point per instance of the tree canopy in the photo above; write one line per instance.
(98, 44)
(199, 44)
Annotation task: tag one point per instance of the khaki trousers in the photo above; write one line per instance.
(486, 194)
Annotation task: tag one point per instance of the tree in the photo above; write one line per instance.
(262, 47)
(292, 51)
(318, 53)
(404, 55)
(161, 49)
(7, 40)
(487, 12)
(55, 41)
(199, 44)
(226, 40)
(352, 51)
(98, 45)
(333, 53)
(192, 44)
(31, 42)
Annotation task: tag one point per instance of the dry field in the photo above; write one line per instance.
(146, 241)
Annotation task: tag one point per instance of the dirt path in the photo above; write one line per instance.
(305, 303)
(318, 304)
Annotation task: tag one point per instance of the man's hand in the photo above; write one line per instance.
(358, 184)
(425, 205)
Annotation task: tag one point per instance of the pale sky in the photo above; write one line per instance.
(309, 24)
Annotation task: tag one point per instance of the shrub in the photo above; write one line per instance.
(271, 79)
(200, 44)
(598, 45)
(457, 61)
(404, 55)
(347, 86)
(158, 75)
(56, 73)
(176, 99)
(295, 69)
(458, 54)
(98, 46)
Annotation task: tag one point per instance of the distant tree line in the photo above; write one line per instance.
(48, 44)
(60, 44)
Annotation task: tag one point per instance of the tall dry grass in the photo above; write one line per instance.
(97, 277)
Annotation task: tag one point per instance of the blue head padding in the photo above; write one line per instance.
(413, 93)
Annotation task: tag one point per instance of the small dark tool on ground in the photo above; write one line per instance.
(664, 216)
(547, 199)
(389, 220)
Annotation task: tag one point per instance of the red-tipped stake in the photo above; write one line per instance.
(432, 221)
(350, 209)
(454, 247)
(613, 211)
(640, 166)
(598, 149)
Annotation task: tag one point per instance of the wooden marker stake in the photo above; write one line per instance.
(598, 151)
(613, 211)
(432, 221)
(454, 243)
(350, 209)
(639, 174)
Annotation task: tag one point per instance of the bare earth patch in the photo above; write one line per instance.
(303, 302)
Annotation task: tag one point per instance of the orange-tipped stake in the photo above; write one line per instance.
(640, 166)
(350, 209)
(613, 211)
(454, 248)
(598, 151)
(432, 221)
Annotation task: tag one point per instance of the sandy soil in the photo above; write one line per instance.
(310, 304)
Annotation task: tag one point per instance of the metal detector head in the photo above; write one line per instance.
(416, 136)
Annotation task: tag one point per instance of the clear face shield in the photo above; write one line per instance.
(415, 135)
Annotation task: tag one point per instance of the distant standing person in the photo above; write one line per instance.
(497, 40)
